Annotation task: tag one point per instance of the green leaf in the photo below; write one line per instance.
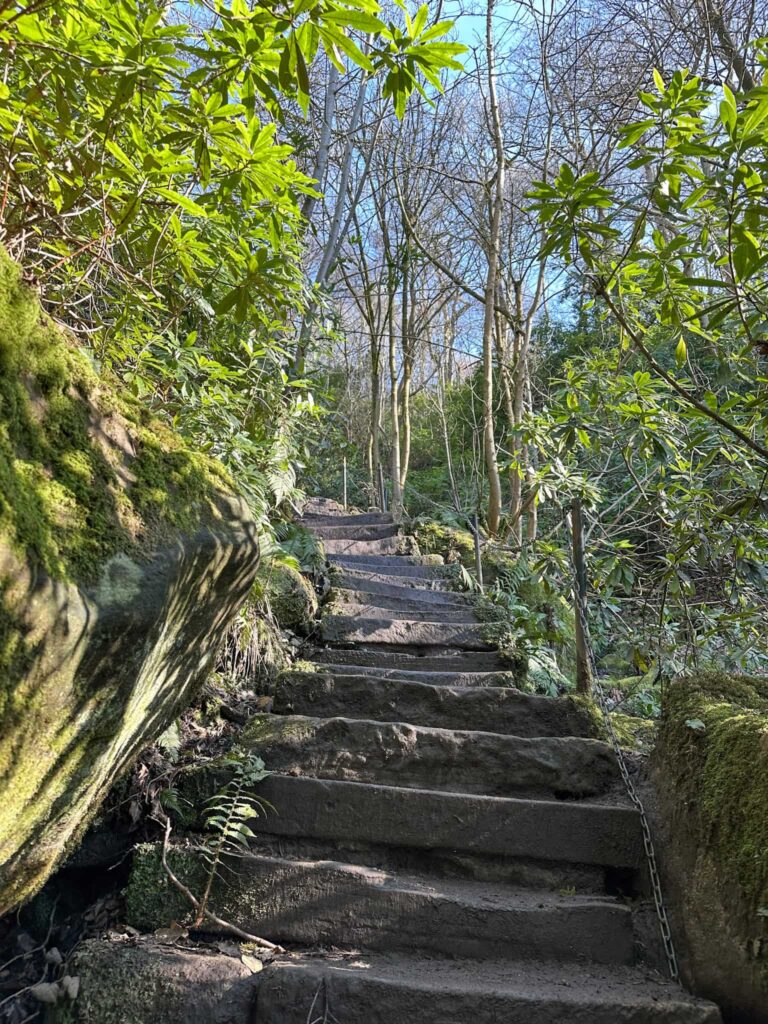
(185, 202)
(681, 352)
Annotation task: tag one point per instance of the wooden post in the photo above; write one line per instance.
(382, 490)
(583, 668)
(478, 555)
(344, 482)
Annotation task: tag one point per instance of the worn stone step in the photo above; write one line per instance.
(441, 679)
(421, 757)
(413, 611)
(383, 698)
(393, 595)
(397, 989)
(394, 566)
(554, 876)
(402, 603)
(356, 531)
(333, 903)
(432, 661)
(390, 545)
(351, 629)
(575, 833)
(313, 520)
(384, 583)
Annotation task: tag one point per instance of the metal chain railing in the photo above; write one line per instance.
(650, 852)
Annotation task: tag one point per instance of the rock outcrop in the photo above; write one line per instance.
(123, 557)
(711, 770)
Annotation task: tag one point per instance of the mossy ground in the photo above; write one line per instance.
(714, 747)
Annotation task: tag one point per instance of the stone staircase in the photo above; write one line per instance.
(446, 848)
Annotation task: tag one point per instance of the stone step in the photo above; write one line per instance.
(413, 611)
(390, 567)
(313, 520)
(546, 830)
(424, 757)
(382, 583)
(352, 531)
(390, 545)
(503, 710)
(351, 629)
(393, 595)
(333, 903)
(397, 989)
(436, 661)
(553, 876)
(440, 679)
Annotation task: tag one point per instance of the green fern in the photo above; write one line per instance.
(227, 814)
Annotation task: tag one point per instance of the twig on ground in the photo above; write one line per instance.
(228, 926)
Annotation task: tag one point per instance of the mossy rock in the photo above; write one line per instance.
(712, 765)
(149, 983)
(292, 599)
(123, 558)
(714, 737)
(452, 544)
(544, 676)
(634, 733)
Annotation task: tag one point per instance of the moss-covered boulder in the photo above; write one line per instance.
(146, 983)
(711, 766)
(292, 598)
(123, 557)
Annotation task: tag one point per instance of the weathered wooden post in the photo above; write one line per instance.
(382, 490)
(344, 482)
(583, 668)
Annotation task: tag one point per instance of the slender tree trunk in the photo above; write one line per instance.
(324, 146)
(331, 248)
(375, 448)
(489, 440)
(397, 500)
(714, 17)
(446, 434)
(405, 383)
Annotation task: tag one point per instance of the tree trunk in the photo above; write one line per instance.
(405, 383)
(493, 514)
(397, 500)
(375, 425)
(532, 522)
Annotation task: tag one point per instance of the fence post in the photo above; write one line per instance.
(478, 555)
(583, 670)
(344, 481)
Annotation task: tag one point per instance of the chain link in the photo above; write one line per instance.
(650, 852)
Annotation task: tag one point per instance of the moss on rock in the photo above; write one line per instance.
(123, 556)
(715, 738)
(634, 733)
(712, 766)
(292, 598)
(452, 544)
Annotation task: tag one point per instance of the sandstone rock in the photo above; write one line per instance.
(123, 558)
(292, 598)
(147, 984)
